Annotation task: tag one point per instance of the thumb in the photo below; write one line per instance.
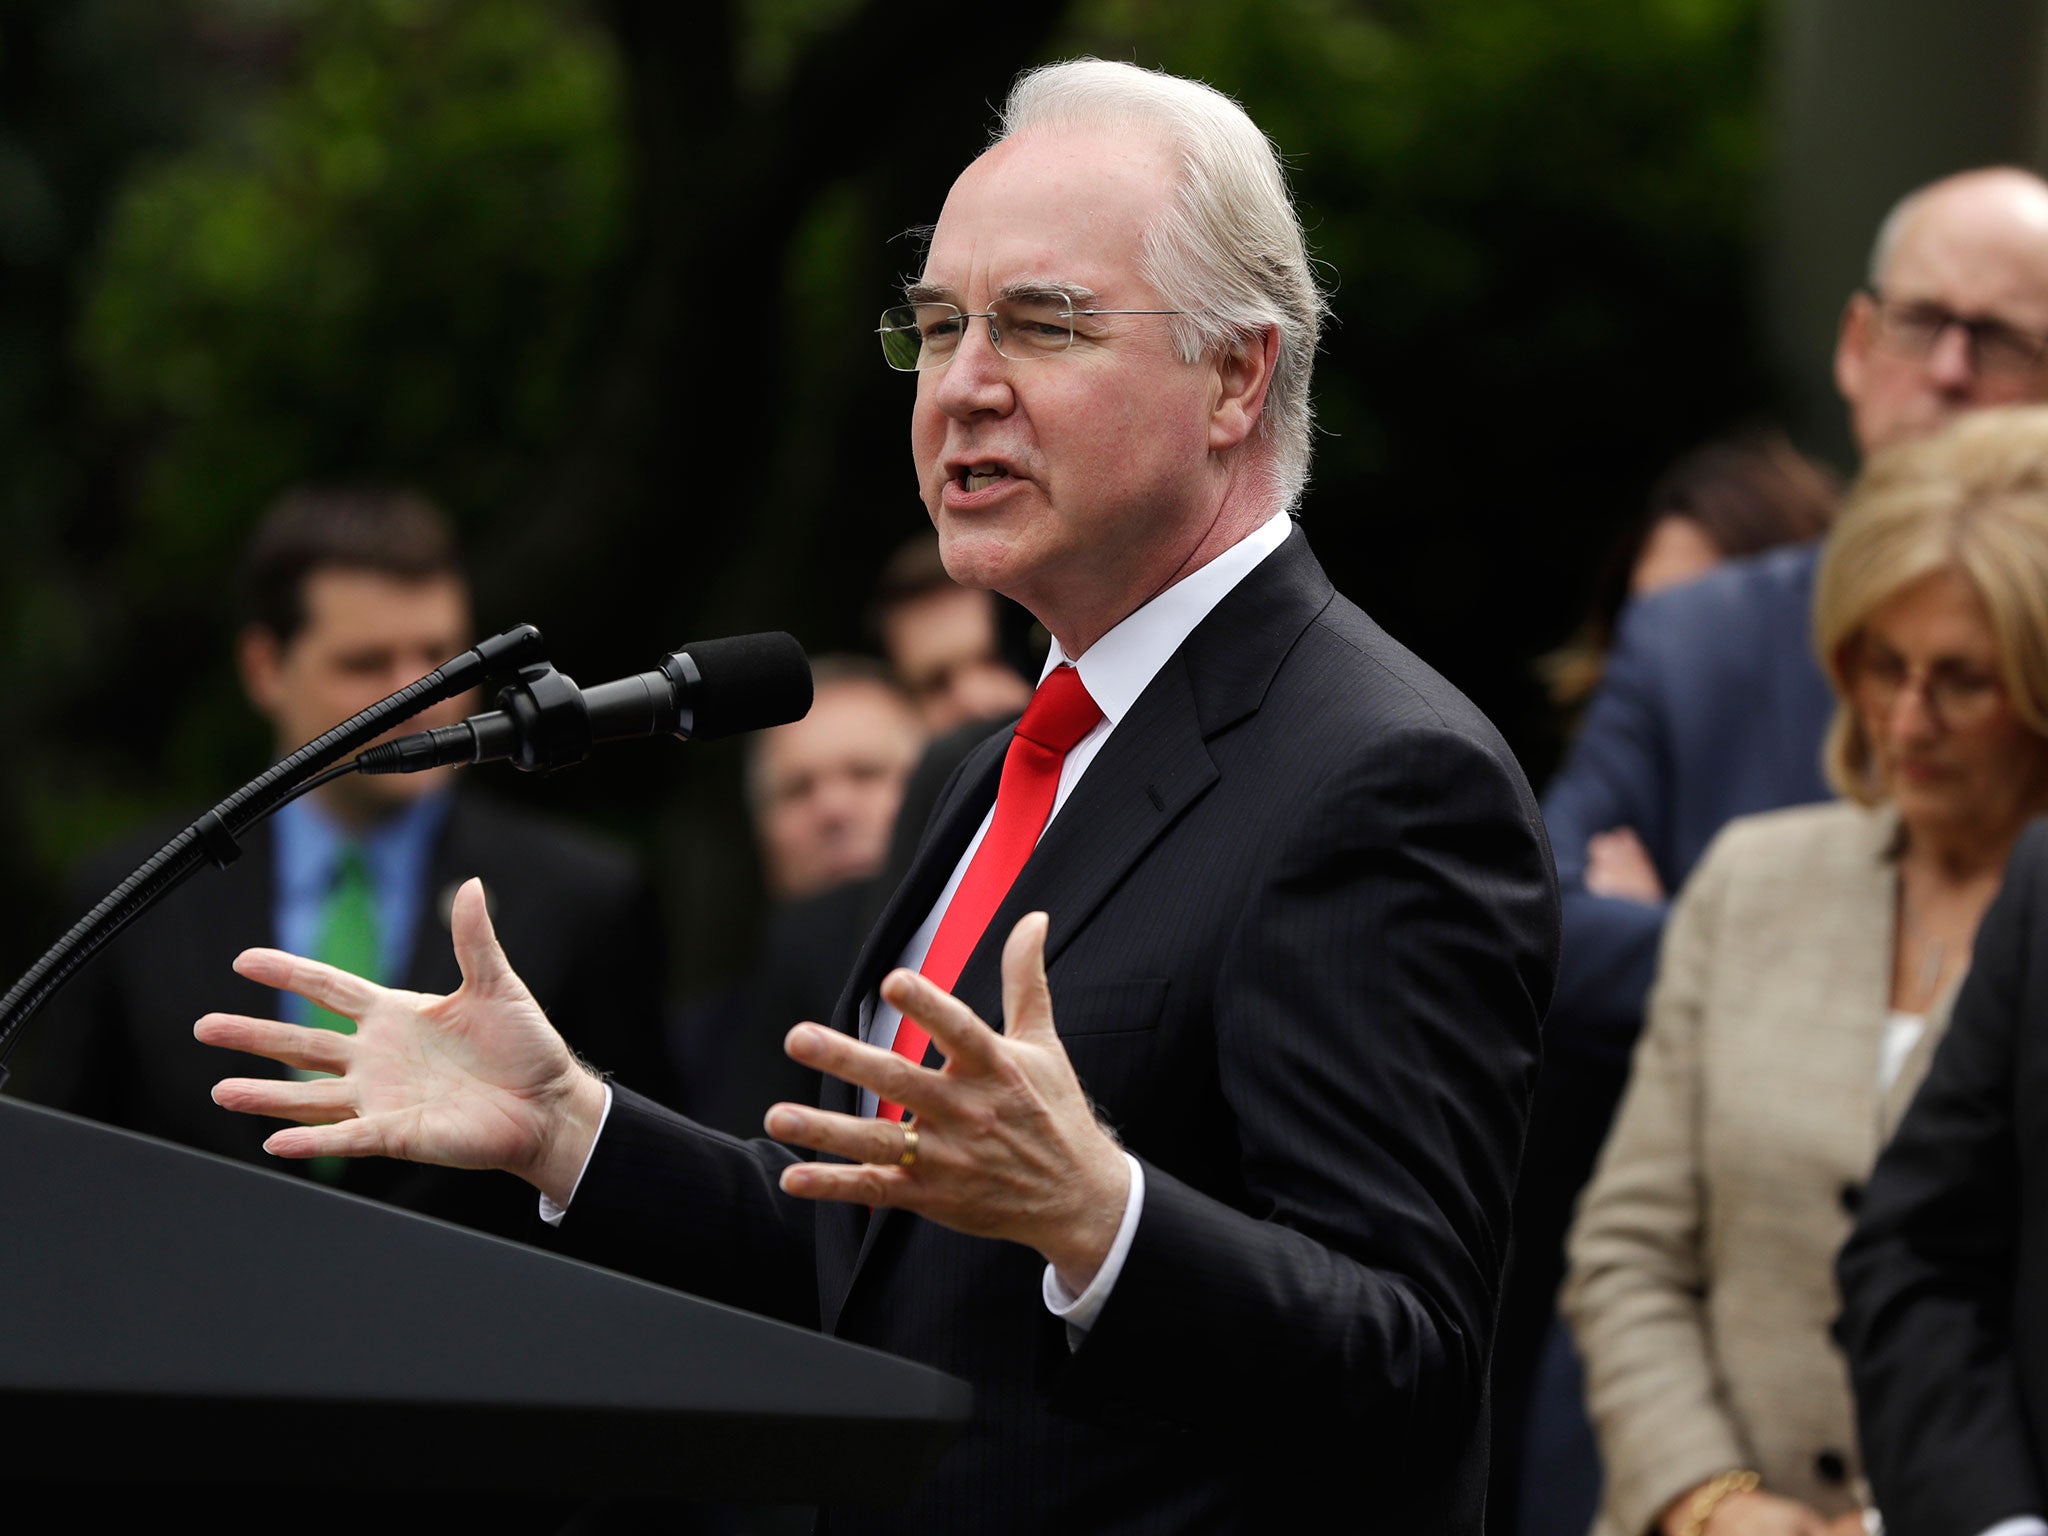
(477, 952)
(1027, 999)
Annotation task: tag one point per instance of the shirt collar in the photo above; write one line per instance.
(1119, 666)
(309, 841)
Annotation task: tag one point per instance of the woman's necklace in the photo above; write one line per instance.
(1933, 948)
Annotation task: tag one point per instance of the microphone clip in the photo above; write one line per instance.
(546, 722)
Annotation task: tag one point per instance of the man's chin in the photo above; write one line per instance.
(981, 556)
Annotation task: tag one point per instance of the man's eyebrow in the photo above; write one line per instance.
(1047, 287)
(1077, 294)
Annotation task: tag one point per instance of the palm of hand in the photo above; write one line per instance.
(476, 1079)
(464, 1079)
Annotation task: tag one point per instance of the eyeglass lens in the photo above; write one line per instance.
(918, 336)
(1958, 696)
(1995, 346)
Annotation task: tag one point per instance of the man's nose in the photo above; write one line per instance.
(1952, 360)
(833, 801)
(978, 377)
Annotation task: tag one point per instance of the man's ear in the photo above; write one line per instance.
(1243, 375)
(1852, 345)
(259, 658)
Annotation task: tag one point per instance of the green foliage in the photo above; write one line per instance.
(386, 266)
(1448, 153)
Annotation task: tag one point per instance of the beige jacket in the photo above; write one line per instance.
(1702, 1285)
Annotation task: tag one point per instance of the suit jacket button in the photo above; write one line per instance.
(1851, 1198)
(1832, 1468)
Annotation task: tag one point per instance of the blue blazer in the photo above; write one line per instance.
(1712, 707)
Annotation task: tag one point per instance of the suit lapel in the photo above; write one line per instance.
(1155, 765)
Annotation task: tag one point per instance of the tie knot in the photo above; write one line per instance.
(1060, 713)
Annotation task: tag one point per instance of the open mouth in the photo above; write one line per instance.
(979, 477)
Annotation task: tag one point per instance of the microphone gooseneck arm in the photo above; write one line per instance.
(212, 838)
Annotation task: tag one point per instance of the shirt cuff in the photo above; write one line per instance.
(2020, 1525)
(552, 1213)
(1079, 1312)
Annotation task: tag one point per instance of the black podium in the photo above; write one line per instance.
(168, 1317)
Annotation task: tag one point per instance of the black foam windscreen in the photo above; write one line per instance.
(747, 683)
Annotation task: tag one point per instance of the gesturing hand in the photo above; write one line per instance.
(477, 1079)
(1007, 1143)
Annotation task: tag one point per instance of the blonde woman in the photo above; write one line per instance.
(1807, 971)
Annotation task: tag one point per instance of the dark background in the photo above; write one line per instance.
(601, 278)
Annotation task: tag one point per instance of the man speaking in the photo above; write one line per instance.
(1211, 1210)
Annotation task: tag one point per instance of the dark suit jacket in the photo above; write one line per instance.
(1303, 930)
(1943, 1280)
(576, 918)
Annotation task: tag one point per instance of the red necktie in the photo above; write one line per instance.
(1060, 714)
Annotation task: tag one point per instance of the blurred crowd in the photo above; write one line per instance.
(1804, 760)
(1810, 731)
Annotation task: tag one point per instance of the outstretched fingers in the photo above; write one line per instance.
(889, 1076)
(477, 951)
(310, 1050)
(344, 1138)
(319, 1101)
(966, 1042)
(335, 990)
(1027, 995)
(859, 1138)
(856, 1183)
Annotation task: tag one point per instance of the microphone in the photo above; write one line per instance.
(706, 690)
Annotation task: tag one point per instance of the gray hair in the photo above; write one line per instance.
(1229, 248)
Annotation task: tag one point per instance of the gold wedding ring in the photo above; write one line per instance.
(909, 1157)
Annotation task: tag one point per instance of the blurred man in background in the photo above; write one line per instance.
(944, 641)
(824, 790)
(1713, 706)
(349, 595)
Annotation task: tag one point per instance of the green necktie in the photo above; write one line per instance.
(347, 934)
(347, 940)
